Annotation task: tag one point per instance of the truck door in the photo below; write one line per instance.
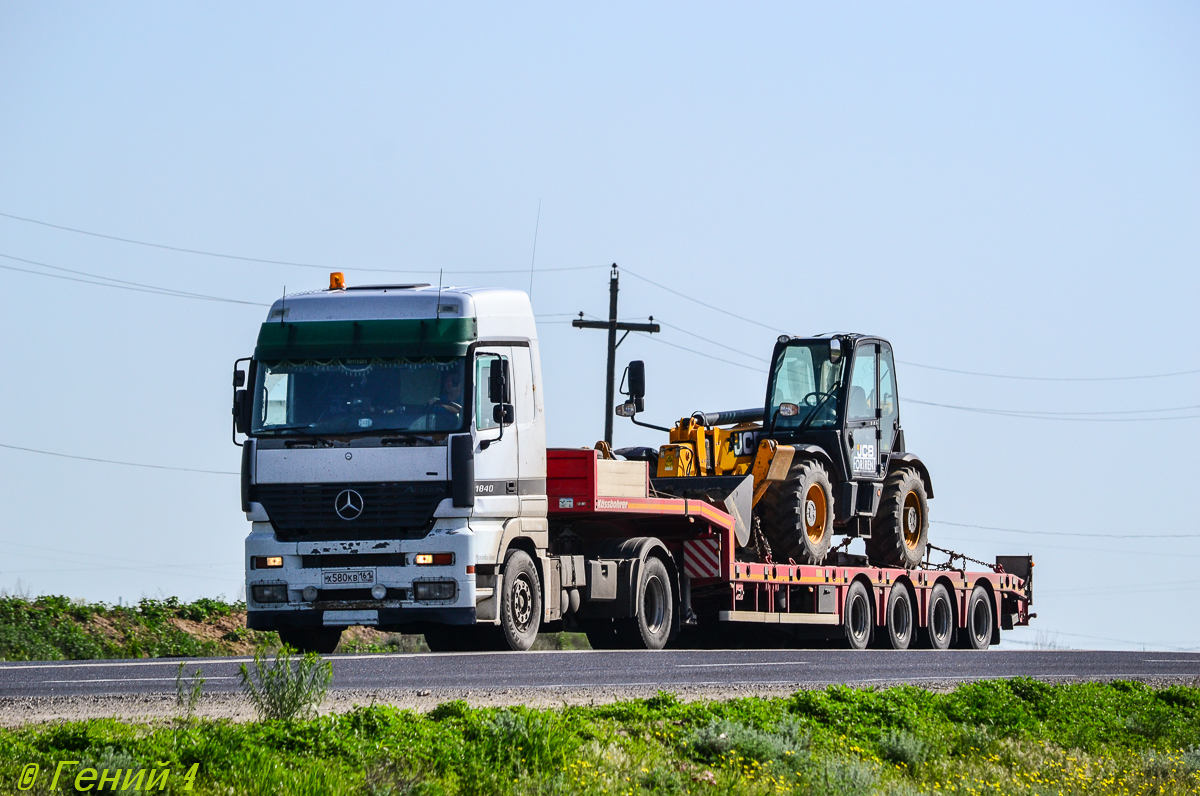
(862, 423)
(889, 404)
(496, 474)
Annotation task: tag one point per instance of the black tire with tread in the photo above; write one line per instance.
(901, 618)
(323, 640)
(782, 511)
(981, 621)
(858, 620)
(651, 628)
(940, 624)
(886, 546)
(520, 601)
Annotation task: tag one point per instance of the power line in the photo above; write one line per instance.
(1125, 536)
(714, 342)
(120, 284)
(1049, 378)
(1063, 416)
(114, 461)
(702, 303)
(265, 261)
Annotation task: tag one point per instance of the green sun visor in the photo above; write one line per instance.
(408, 337)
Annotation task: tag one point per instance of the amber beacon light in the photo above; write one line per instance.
(337, 281)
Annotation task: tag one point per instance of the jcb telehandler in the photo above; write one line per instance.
(824, 455)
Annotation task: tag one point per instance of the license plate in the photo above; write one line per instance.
(348, 577)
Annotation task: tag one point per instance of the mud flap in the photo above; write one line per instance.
(740, 505)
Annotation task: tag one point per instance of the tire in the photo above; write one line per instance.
(797, 515)
(651, 628)
(857, 616)
(520, 601)
(900, 529)
(900, 618)
(938, 633)
(323, 640)
(981, 621)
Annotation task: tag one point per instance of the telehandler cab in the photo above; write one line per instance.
(825, 454)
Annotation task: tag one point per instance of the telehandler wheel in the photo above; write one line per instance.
(311, 639)
(900, 618)
(938, 632)
(900, 530)
(858, 619)
(797, 515)
(651, 628)
(520, 601)
(981, 621)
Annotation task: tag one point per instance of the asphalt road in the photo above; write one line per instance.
(582, 670)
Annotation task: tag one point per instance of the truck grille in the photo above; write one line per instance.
(307, 512)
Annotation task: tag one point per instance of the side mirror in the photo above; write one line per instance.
(637, 379)
(789, 410)
(239, 378)
(835, 350)
(503, 414)
(241, 411)
(627, 409)
(498, 392)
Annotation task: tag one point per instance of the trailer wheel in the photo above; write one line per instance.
(857, 619)
(939, 619)
(651, 628)
(797, 514)
(311, 639)
(900, 618)
(520, 601)
(980, 621)
(900, 529)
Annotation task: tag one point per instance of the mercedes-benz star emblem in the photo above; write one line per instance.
(348, 504)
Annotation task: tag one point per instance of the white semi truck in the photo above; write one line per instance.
(395, 474)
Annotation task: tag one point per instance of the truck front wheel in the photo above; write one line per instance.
(520, 601)
(311, 639)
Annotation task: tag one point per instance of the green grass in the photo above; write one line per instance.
(997, 737)
(58, 628)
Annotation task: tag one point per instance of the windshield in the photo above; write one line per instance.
(804, 375)
(358, 396)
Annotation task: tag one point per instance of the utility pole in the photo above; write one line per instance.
(612, 325)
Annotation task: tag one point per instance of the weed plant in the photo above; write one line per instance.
(289, 687)
(1017, 737)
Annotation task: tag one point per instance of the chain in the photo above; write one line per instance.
(761, 545)
(953, 555)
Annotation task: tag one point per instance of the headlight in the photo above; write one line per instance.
(274, 593)
(435, 590)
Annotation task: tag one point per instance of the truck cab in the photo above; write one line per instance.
(393, 453)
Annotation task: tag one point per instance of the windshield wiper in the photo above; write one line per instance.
(297, 427)
(800, 429)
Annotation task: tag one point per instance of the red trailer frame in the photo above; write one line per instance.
(702, 537)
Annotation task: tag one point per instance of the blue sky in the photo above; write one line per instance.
(1008, 190)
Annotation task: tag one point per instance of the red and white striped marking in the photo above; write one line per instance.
(702, 558)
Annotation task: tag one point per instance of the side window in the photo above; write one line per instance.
(889, 406)
(862, 384)
(484, 417)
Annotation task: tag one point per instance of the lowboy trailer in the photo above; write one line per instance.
(395, 474)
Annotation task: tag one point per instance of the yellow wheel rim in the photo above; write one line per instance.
(912, 520)
(816, 511)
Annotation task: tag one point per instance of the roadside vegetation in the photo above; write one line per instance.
(995, 737)
(59, 628)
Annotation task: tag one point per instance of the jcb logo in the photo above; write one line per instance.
(743, 443)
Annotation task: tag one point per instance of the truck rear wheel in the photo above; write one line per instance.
(797, 515)
(981, 621)
(311, 639)
(939, 619)
(901, 620)
(520, 601)
(651, 628)
(900, 529)
(857, 616)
